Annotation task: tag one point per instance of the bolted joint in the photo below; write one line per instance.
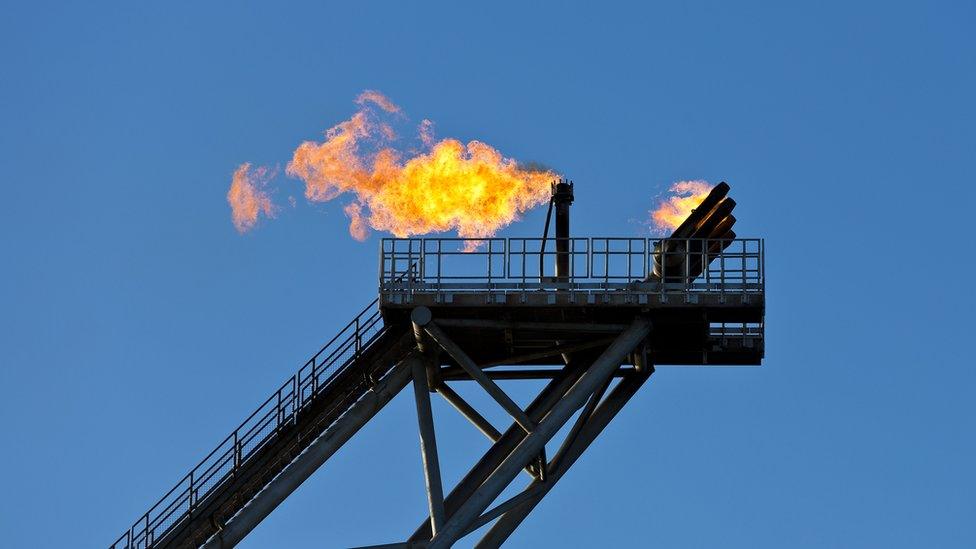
(420, 317)
(642, 360)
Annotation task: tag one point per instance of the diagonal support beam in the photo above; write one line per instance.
(469, 412)
(567, 455)
(532, 445)
(428, 442)
(475, 372)
(584, 416)
(477, 419)
(515, 501)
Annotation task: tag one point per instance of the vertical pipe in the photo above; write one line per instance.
(562, 197)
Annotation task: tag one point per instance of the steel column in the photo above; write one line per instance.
(428, 442)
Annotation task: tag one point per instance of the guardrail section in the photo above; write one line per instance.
(642, 264)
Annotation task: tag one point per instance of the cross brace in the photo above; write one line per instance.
(573, 387)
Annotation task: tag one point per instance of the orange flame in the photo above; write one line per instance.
(470, 188)
(247, 199)
(673, 211)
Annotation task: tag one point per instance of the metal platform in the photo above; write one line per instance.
(462, 310)
(493, 288)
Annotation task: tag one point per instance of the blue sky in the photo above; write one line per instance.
(138, 327)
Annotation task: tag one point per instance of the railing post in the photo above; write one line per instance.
(706, 264)
(294, 397)
(358, 340)
(663, 253)
(421, 267)
(762, 264)
(505, 269)
(744, 256)
(278, 413)
(315, 377)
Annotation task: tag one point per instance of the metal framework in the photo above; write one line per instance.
(522, 447)
(482, 310)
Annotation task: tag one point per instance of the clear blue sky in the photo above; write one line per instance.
(137, 327)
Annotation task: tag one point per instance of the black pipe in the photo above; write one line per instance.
(562, 198)
(683, 256)
(699, 214)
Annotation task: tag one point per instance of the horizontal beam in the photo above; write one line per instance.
(587, 327)
(537, 373)
(551, 351)
(753, 282)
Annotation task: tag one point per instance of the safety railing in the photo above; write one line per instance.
(279, 410)
(647, 264)
(735, 330)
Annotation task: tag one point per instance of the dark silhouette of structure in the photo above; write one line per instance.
(592, 317)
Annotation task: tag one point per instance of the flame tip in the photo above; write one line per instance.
(672, 211)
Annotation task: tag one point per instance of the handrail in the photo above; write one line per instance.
(280, 409)
(666, 264)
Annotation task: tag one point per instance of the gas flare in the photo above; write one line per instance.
(471, 188)
(445, 185)
(672, 211)
(247, 197)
